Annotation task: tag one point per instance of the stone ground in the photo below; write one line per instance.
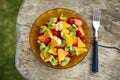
(109, 41)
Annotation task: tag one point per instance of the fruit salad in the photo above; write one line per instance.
(60, 39)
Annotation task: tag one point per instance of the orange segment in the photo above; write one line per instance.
(64, 31)
(61, 54)
(80, 43)
(54, 43)
(69, 40)
(80, 50)
(64, 24)
(53, 51)
(48, 33)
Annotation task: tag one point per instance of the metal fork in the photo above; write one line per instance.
(96, 24)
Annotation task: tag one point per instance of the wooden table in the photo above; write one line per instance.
(109, 41)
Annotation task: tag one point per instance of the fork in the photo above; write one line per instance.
(96, 24)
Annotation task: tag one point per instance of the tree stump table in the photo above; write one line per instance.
(109, 41)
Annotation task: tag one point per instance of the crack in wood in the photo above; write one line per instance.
(109, 47)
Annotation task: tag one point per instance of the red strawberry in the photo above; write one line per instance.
(47, 40)
(77, 22)
(56, 33)
(70, 21)
(68, 54)
(83, 40)
(78, 34)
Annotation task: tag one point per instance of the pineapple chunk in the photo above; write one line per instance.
(61, 54)
(64, 24)
(48, 33)
(80, 50)
(69, 40)
(52, 51)
(80, 43)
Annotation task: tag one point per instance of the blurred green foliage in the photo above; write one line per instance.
(8, 15)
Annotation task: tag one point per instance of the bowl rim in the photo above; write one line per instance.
(33, 51)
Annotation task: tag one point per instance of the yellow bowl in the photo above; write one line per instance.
(42, 19)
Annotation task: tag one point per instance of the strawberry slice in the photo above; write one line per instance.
(70, 21)
(77, 22)
(56, 33)
(68, 54)
(47, 40)
(83, 40)
(80, 33)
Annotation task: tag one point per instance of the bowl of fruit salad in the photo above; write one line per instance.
(60, 38)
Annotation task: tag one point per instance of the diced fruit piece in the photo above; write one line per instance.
(72, 50)
(42, 55)
(46, 52)
(69, 40)
(38, 41)
(42, 46)
(48, 58)
(70, 21)
(65, 61)
(63, 17)
(62, 44)
(77, 22)
(78, 33)
(64, 31)
(53, 51)
(64, 24)
(54, 61)
(54, 42)
(52, 21)
(75, 42)
(56, 33)
(72, 34)
(83, 39)
(68, 54)
(80, 43)
(72, 28)
(80, 50)
(47, 41)
(48, 33)
(42, 38)
(81, 31)
(67, 48)
(43, 29)
(61, 54)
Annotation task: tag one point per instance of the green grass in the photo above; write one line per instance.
(8, 15)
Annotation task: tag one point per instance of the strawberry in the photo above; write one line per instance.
(83, 40)
(77, 22)
(47, 40)
(70, 21)
(78, 33)
(56, 33)
(68, 54)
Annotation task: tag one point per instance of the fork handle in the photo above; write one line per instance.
(95, 57)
